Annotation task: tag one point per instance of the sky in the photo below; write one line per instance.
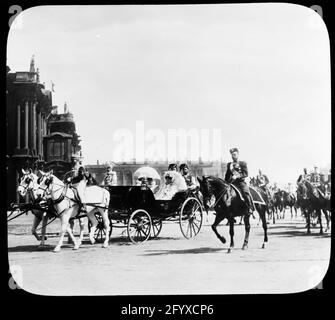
(258, 73)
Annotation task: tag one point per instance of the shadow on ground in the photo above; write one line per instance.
(184, 251)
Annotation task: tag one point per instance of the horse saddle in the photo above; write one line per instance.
(255, 195)
(237, 191)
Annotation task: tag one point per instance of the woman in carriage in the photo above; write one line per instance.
(174, 182)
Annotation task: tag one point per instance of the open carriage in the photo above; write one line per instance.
(136, 209)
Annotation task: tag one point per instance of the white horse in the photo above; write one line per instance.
(67, 207)
(28, 185)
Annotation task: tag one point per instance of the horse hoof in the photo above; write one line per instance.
(105, 245)
(229, 250)
(308, 232)
(76, 247)
(92, 241)
(244, 247)
(263, 246)
(57, 249)
(223, 240)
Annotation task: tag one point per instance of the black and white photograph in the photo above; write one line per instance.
(168, 149)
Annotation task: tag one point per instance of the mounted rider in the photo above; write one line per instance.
(275, 188)
(316, 177)
(290, 190)
(236, 173)
(303, 177)
(262, 182)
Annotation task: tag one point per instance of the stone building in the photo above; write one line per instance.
(36, 136)
(125, 170)
(27, 109)
(62, 148)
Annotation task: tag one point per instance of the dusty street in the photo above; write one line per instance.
(292, 261)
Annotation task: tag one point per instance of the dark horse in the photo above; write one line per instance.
(228, 204)
(278, 205)
(290, 201)
(311, 200)
(266, 195)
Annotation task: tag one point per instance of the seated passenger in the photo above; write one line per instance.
(189, 179)
(148, 182)
(174, 182)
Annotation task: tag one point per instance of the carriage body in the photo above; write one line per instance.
(136, 208)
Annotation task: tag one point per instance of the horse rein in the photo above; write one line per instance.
(221, 195)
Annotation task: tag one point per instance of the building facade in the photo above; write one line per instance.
(125, 171)
(28, 107)
(32, 128)
(62, 150)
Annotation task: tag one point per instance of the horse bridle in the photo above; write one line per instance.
(25, 188)
(48, 182)
(211, 193)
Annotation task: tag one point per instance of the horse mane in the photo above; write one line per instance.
(216, 179)
(57, 180)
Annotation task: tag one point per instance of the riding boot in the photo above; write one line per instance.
(250, 204)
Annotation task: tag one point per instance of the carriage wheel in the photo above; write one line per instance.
(190, 218)
(156, 228)
(139, 226)
(100, 233)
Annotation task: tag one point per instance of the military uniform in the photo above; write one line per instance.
(236, 174)
(190, 181)
(110, 179)
(262, 180)
(303, 177)
(315, 179)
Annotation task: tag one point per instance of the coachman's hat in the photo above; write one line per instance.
(173, 166)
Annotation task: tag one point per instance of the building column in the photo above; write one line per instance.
(69, 150)
(33, 126)
(26, 123)
(18, 126)
(39, 134)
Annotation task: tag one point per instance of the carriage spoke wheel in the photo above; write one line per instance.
(190, 218)
(100, 233)
(156, 228)
(139, 226)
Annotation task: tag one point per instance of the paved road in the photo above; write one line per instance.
(293, 261)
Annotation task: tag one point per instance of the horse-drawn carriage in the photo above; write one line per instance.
(132, 207)
(136, 209)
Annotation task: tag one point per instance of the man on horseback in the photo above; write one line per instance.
(262, 182)
(236, 173)
(303, 177)
(316, 177)
(275, 188)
